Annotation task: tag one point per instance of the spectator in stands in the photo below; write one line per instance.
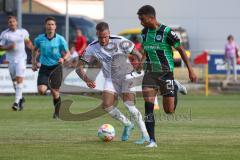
(80, 42)
(231, 55)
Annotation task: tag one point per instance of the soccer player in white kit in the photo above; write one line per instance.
(112, 52)
(13, 40)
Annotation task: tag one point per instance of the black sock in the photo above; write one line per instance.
(149, 119)
(175, 96)
(57, 104)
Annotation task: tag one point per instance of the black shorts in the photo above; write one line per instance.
(163, 81)
(51, 76)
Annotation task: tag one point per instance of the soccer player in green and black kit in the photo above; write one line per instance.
(158, 41)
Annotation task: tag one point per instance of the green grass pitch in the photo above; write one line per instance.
(202, 128)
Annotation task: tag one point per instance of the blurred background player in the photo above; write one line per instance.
(158, 41)
(112, 52)
(13, 41)
(53, 51)
(80, 42)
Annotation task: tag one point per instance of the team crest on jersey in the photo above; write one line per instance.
(125, 45)
(55, 50)
(158, 37)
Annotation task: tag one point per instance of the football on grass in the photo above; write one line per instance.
(106, 132)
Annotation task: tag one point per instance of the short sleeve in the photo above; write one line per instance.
(84, 39)
(63, 45)
(88, 54)
(2, 40)
(37, 42)
(173, 39)
(26, 35)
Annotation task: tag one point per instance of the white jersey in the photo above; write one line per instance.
(113, 57)
(18, 37)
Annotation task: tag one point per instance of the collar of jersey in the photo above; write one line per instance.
(155, 29)
(50, 38)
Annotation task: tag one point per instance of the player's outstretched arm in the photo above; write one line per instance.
(82, 74)
(192, 75)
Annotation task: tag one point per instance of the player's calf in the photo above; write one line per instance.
(57, 105)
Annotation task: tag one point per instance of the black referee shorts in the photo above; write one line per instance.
(163, 81)
(50, 76)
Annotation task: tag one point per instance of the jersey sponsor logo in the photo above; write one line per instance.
(55, 50)
(158, 37)
(152, 47)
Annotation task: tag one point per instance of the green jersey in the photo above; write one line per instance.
(157, 44)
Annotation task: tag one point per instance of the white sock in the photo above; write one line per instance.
(156, 101)
(137, 117)
(18, 94)
(116, 114)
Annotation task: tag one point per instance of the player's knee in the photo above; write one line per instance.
(149, 99)
(169, 110)
(19, 85)
(55, 93)
(42, 91)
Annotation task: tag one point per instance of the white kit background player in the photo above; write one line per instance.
(112, 52)
(13, 40)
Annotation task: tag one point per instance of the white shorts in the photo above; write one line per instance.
(17, 69)
(119, 86)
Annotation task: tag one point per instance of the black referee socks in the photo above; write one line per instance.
(57, 104)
